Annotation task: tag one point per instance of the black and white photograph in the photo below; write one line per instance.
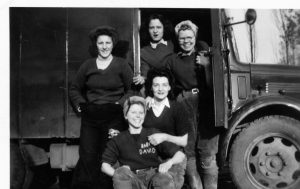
(141, 96)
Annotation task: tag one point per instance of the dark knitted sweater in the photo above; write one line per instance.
(173, 120)
(187, 73)
(101, 86)
(155, 58)
(136, 151)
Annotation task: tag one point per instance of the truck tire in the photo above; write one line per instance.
(266, 154)
(17, 167)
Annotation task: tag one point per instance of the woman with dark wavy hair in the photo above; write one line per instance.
(156, 34)
(97, 92)
(164, 113)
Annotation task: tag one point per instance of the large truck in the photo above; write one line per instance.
(255, 58)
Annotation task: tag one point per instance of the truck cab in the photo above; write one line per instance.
(261, 97)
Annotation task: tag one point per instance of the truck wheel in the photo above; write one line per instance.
(17, 167)
(267, 154)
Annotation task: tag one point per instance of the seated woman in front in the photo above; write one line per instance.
(140, 165)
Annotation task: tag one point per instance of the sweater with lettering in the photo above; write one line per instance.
(136, 151)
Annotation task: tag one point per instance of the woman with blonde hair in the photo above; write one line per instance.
(192, 72)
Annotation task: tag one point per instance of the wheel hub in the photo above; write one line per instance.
(272, 162)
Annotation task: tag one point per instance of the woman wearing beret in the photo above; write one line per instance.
(97, 92)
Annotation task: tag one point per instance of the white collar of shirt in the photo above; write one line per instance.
(186, 54)
(162, 41)
(157, 109)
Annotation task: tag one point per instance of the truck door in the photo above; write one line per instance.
(219, 71)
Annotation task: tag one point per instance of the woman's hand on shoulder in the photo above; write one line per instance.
(148, 102)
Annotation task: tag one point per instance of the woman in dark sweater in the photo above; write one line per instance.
(97, 92)
(169, 116)
(164, 113)
(156, 34)
(140, 165)
(192, 71)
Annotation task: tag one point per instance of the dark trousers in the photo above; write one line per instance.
(203, 139)
(203, 136)
(208, 135)
(207, 143)
(95, 122)
(124, 178)
(191, 103)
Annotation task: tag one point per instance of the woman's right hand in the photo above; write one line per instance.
(164, 167)
(138, 80)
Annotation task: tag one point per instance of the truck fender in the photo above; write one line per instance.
(249, 107)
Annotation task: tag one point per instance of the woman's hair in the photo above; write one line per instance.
(133, 100)
(153, 73)
(144, 32)
(101, 30)
(186, 25)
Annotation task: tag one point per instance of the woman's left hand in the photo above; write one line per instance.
(157, 138)
(202, 60)
(112, 133)
(164, 167)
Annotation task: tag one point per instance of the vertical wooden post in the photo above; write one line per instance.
(218, 68)
(136, 41)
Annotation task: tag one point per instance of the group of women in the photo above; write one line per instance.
(177, 88)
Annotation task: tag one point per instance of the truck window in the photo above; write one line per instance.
(275, 37)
